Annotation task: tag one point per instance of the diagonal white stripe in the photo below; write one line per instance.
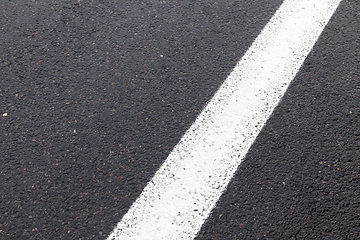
(185, 189)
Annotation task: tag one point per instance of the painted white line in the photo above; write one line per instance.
(185, 189)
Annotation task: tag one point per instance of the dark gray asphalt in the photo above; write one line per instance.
(97, 93)
(301, 179)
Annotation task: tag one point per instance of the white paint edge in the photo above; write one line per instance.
(185, 189)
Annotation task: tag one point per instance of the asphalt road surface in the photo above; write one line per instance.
(95, 94)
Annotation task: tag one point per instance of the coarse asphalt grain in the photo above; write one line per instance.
(96, 94)
(301, 179)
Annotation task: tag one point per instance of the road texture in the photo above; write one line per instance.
(95, 94)
(301, 178)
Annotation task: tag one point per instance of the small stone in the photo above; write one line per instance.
(5, 115)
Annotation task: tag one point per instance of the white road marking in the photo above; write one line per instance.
(185, 189)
